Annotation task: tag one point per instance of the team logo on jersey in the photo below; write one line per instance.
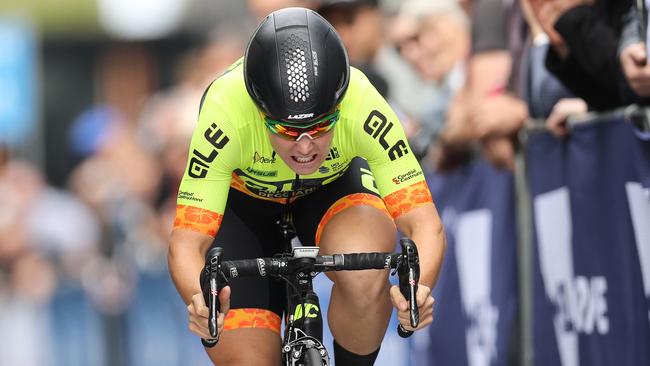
(271, 188)
(378, 126)
(262, 173)
(408, 176)
(257, 158)
(323, 170)
(189, 196)
(333, 154)
(199, 163)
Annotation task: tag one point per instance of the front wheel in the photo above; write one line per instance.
(312, 358)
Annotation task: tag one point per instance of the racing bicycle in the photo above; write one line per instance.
(302, 343)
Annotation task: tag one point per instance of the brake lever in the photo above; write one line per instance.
(211, 285)
(409, 275)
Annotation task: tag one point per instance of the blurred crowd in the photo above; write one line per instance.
(464, 76)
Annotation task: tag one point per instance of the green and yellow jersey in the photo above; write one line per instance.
(230, 148)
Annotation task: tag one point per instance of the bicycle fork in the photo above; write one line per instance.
(304, 329)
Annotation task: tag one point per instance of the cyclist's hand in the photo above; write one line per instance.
(425, 306)
(198, 313)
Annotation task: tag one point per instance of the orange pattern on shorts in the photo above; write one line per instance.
(350, 200)
(408, 198)
(252, 318)
(197, 219)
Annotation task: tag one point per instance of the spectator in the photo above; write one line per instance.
(584, 35)
(33, 252)
(434, 37)
(546, 97)
(633, 55)
(361, 26)
(487, 111)
(24, 310)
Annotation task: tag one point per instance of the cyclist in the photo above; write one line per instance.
(291, 129)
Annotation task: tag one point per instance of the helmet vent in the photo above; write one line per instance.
(298, 70)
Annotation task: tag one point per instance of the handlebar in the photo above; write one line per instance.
(273, 267)
(216, 273)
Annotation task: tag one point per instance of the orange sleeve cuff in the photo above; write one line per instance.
(408, 198)
(197, 219)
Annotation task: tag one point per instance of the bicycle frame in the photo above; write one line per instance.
(304, 326)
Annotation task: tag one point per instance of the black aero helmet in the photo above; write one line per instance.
(296, 68)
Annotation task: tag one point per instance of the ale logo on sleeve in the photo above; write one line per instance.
(378, 126)
(199, 162)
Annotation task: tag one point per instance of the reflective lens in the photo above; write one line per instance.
(290, 131)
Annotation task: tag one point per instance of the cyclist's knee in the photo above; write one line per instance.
(246, 346)
(363, 287)
(360, 228)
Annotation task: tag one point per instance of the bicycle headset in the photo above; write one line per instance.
(296, 68)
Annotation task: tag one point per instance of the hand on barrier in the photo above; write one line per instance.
(562, 110)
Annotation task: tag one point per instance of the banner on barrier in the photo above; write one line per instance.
(591, 207)
(476, 292)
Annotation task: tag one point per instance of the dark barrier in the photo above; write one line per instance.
(477, 294)
(591, 281)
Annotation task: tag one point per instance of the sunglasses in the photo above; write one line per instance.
(293, 132)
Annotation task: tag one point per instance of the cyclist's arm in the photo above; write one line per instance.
(213, 154)
(423, 225)
(398, 176)
(186, 258)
